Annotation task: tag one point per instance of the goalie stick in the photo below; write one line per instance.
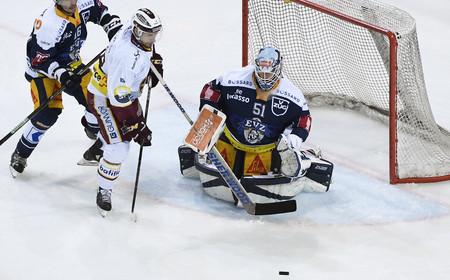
(228, 175)
(44, 104)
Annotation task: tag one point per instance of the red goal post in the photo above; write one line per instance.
(363, 55)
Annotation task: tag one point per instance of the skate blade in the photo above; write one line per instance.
(83, 162)
(102, 212)
(14, 173)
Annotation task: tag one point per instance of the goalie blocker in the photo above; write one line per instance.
(260, 188)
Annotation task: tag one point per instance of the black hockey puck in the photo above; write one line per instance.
(283, 272)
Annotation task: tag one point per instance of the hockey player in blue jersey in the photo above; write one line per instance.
(53, 59)
(267, 121)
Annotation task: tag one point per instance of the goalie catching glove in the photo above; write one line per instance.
(138, 130)
(294, 163)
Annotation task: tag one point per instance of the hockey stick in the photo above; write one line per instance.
(53, 96)
(138, 171)
(228, 175)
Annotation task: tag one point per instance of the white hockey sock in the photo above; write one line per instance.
(107, 173)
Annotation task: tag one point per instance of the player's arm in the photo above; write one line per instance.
(100, 15)
(46, 56)
(157, 61)
(301, 127)
(211, 94)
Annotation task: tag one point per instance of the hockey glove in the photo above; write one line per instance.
(67, 78)
(157, 61)
(139, 131)
(111, 24)
(295, 141)
(294, 164)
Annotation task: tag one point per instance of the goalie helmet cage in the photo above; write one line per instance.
(359, 54)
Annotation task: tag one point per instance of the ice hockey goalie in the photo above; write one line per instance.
(267, 120)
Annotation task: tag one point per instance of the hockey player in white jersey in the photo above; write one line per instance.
(113, 94)
(53, 59)
(267, 121)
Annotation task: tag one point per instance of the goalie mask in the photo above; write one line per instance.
(268, 68)
(147, 27)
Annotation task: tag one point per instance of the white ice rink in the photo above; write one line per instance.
(363, 228)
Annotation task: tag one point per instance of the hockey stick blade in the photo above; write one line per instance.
(275, 207)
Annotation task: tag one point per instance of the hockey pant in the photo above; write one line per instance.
(41, 89)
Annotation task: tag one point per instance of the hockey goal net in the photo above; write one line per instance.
(363, 55)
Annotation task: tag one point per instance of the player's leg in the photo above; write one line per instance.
(41, 89)
(88, 121)
(114, 149)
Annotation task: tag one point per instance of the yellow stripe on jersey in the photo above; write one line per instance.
(100, 80)
(245, 148)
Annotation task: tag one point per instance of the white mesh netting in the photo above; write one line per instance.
(335, 62)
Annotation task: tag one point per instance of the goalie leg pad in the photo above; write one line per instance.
(261, 188)
(187, 162)
(213, 184)
(319, 175)
(267, 188)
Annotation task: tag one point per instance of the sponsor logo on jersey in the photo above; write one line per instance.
(257, 166)
(289, 95)
(108, 121)
(87, 4)
(136, 58)
(85, 15)
(67, 35)
(279, 106)
(237, 95)
(40, 57)
(240, 82)
(122, 94)
(61, 31)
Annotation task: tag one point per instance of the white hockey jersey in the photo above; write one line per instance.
(122, 74)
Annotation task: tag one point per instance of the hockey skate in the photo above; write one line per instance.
(17, 164)
(87, 130)
(104, 201)
(93, 155)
